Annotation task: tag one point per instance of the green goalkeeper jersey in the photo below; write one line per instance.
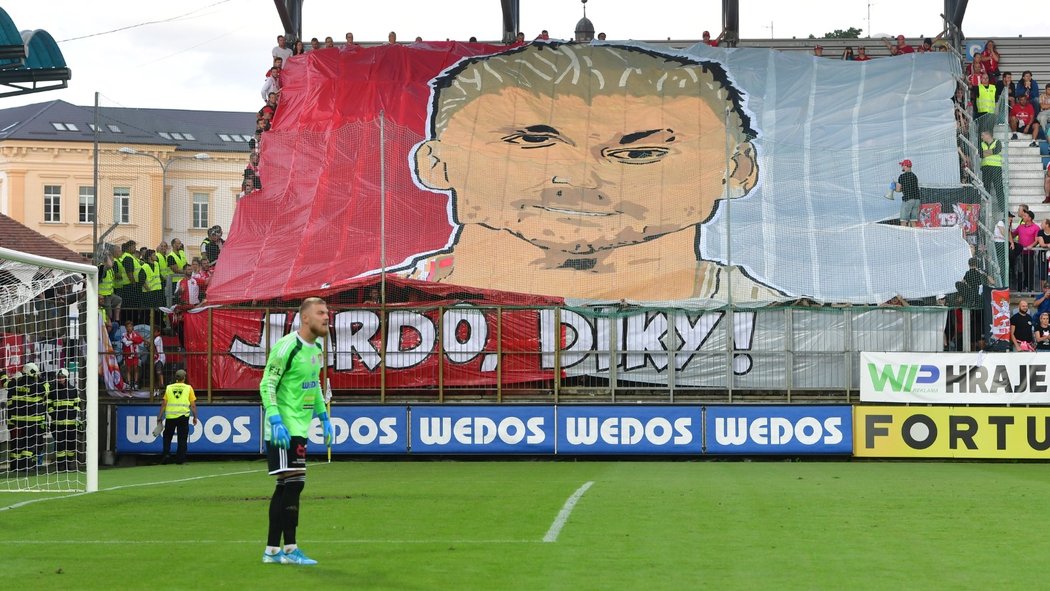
(291, 384)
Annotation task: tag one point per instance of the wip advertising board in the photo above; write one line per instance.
(955, 378)
(951, 432)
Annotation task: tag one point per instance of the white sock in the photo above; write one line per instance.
(273, 549)
(290, 547)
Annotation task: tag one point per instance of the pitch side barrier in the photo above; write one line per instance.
(535, 430)
(555, 355)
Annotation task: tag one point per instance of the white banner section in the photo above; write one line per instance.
(955, 378)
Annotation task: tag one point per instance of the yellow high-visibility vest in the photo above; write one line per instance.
(152, 276)
(986, 98)
(994, 159)
(106, 283)
(178, 397)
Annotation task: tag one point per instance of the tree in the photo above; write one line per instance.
(850, 33)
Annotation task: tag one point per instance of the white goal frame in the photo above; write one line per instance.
(91, 361)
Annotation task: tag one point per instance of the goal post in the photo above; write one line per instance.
(41, 300)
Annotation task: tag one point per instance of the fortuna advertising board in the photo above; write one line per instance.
(955, 378)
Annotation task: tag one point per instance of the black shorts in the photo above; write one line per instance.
(286, 460)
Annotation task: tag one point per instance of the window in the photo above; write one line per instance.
(122, 205)
(176, 136)
(164, 135)
(189, 136)
(64, 126)
(52, 203)
(200, 210)
(113, 128)
(87, 205)
(224, 137)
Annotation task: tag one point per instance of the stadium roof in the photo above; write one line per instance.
(15, 236)
(30, 60)
(196, 131)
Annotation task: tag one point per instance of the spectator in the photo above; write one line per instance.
(127, 271)
(329, 43)
(1021, 329)
(975, 69)
(818, 51)
(1022, 120)
(927, 46)
(420, 40)
(1042, 305)
(282, 51)
(130, 343)
(900, 48)
(391, 38)
(847, 54)
(907, 185)
(270, 107)
(1007, 86)
(165, 265)
(1002, 239)
(544, 35)
(106, 288)
(298, 48)
(350, 40)
(1043, 116)
(158, 362)
(315, 44)
(272, 83)
(1026, 233)
(990, 59)
(707, 38)
(601, 36)
(1046, 183)
(992, 164)
(178, 254)
(519, 39)
(1042, 332)
(862, 55)
(187, 291)
(1029, 87)
(211, 245)
(987, 94)
(150, 279)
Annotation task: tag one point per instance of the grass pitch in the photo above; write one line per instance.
(481, 525)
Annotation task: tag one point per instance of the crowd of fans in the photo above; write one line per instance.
(143, 293)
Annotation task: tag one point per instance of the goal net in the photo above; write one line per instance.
(49, 326)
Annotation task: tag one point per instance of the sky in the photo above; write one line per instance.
(213, 54)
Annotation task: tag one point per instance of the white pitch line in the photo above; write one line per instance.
(318, 541)
(80, 494)
(566, 510)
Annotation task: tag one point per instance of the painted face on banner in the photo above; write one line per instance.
(580, 175)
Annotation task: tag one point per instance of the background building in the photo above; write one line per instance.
(162, 173)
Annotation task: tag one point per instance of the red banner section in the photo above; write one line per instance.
(467, 341)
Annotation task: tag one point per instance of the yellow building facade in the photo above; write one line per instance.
(49, 184)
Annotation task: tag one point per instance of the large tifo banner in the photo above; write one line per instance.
(955, 378)
(599, 173)
(773, 349)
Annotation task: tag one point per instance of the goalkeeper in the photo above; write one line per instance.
(291, 397)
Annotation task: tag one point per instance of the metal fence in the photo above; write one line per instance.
(511, 354)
